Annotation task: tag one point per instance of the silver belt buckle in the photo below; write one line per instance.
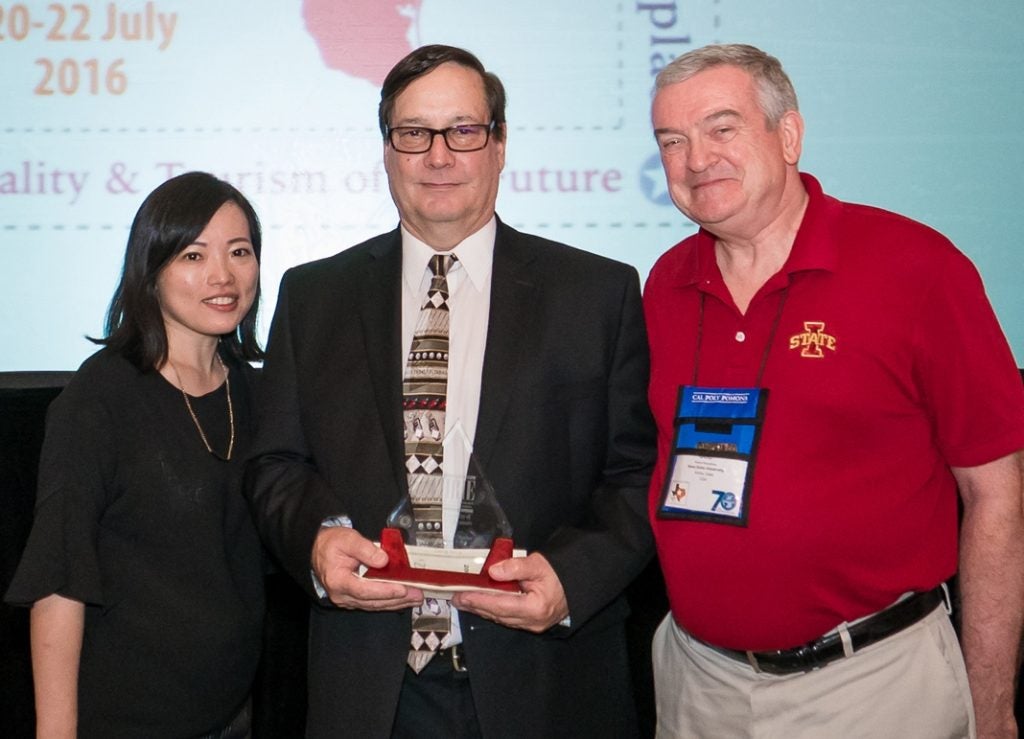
(457, 663)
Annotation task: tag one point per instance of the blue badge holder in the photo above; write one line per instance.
(711, 468)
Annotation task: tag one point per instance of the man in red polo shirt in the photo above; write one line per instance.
(826, 377)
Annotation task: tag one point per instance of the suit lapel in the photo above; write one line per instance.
(381, 316)
(514, 307)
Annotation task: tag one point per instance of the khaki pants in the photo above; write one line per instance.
(909, 686)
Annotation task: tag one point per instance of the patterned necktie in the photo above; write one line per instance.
(424, 389)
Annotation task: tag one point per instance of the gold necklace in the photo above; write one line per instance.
(195, 419)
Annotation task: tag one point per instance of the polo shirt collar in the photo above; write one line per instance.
(815, 246)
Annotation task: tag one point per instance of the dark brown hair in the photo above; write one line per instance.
(428, 58)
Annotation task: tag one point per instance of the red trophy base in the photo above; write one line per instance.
(399, 569)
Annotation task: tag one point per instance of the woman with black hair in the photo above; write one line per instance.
(143, 567)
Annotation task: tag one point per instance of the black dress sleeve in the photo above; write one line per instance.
(76, 482)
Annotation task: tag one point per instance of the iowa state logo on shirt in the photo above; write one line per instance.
(813, 341)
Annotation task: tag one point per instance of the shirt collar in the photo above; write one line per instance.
(475, 253)
(816, 245)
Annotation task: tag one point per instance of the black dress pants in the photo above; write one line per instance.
(436, 703)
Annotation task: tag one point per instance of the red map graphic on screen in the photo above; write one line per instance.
(363, 38)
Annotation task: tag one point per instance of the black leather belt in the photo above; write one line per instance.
(829, 648)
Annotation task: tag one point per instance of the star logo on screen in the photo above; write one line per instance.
(652, 181)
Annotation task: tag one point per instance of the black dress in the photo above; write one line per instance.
(138, 521)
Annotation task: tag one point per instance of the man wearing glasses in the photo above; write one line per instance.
(536, 353)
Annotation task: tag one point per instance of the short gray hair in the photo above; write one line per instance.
(775, 91)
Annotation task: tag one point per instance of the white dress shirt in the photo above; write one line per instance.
(469, 300)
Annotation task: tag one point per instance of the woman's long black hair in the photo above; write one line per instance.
(171, 218)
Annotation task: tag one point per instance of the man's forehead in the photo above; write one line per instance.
(712, 93)
(450, 92)
(445, 80)
(723, 80)
(414, 119)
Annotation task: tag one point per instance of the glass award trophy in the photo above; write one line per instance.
(477, 534)
(481, 519)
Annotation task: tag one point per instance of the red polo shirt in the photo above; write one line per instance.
(888, 366)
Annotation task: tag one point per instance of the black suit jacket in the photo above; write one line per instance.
(563, 433)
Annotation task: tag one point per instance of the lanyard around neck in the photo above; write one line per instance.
(767, 347)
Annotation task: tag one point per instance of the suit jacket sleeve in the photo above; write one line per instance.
(597, 558)
(288, 496)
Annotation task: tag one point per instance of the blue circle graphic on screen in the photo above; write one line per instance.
(652, 181)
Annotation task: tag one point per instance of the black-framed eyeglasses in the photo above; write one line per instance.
(418, 139)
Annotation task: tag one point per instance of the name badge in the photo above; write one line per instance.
(709, 476)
